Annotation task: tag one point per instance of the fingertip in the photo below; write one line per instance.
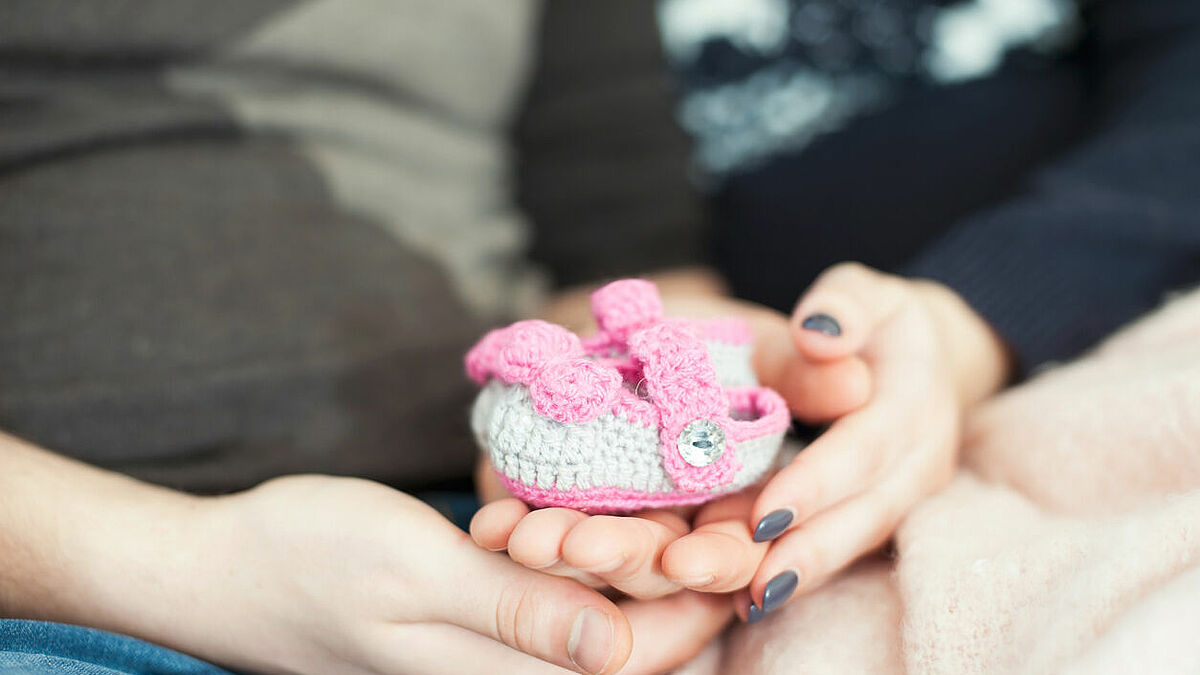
(685, 563)
(779, 589)
(536, 541)
(827, 325)
(598, 648)
(622, 642)
(776, 511)
(717, 559)
(775, 585)
(600, 640)
(596, 545)
(837, 313)
(817, 347)
(822, 323)
(492, 524)
(821, 392)
(773, 524)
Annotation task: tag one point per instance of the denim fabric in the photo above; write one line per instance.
(39, 647)
(458, 506)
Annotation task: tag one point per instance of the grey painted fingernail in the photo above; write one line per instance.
(772, 525)
(822, 323)
(755, 614)
(779, 590)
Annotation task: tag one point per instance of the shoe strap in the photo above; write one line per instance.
(682, 384)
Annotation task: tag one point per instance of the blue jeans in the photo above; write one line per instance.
(39, 647)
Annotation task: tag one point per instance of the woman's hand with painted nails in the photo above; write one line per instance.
(911, 357)
(854, 337)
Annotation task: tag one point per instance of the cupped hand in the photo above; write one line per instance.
(330, 575)
(647, 555)
(892, 362)
(923, 357)
(656, 553)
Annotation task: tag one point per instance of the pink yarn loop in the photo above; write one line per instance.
(529, 345)
(574, 391)
(482, 359)
(626, 306)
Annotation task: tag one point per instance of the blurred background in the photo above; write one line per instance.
(242, 238)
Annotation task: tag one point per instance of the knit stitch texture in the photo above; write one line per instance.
(598, 424)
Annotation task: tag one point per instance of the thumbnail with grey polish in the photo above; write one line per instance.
(823, 323)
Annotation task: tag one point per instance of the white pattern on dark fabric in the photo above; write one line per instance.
(764, 77)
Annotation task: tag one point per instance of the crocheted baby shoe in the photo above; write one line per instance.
(650, 412)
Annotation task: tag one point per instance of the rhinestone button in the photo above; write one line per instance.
(702, 442)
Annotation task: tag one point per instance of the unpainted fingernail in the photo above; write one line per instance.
(822, 323)
(779, 589)
(755, 614)
(606, 567)
(773, 524)
(696, 582)
(590, 644)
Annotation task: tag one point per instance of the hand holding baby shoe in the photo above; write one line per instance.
(895, 362)
(927, 357)
(706, 367)
(651, 412)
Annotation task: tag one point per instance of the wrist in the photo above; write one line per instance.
(182, 571)
(143, 570)
(980, 361)
(90, 547)
(143, 566)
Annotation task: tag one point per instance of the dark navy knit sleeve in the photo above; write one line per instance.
(601, 169)
(1107, 230)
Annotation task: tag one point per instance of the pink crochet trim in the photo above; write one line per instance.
(601, 499)
(766, 412)
(681, 380)
(646, 368)
(624, 307)
(549, 360)
(753, 411)
(481, 359)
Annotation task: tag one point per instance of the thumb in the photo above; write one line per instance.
(837, 315)
(554, 619)
(673, 629)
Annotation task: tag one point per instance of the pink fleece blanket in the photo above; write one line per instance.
(1068, 543)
